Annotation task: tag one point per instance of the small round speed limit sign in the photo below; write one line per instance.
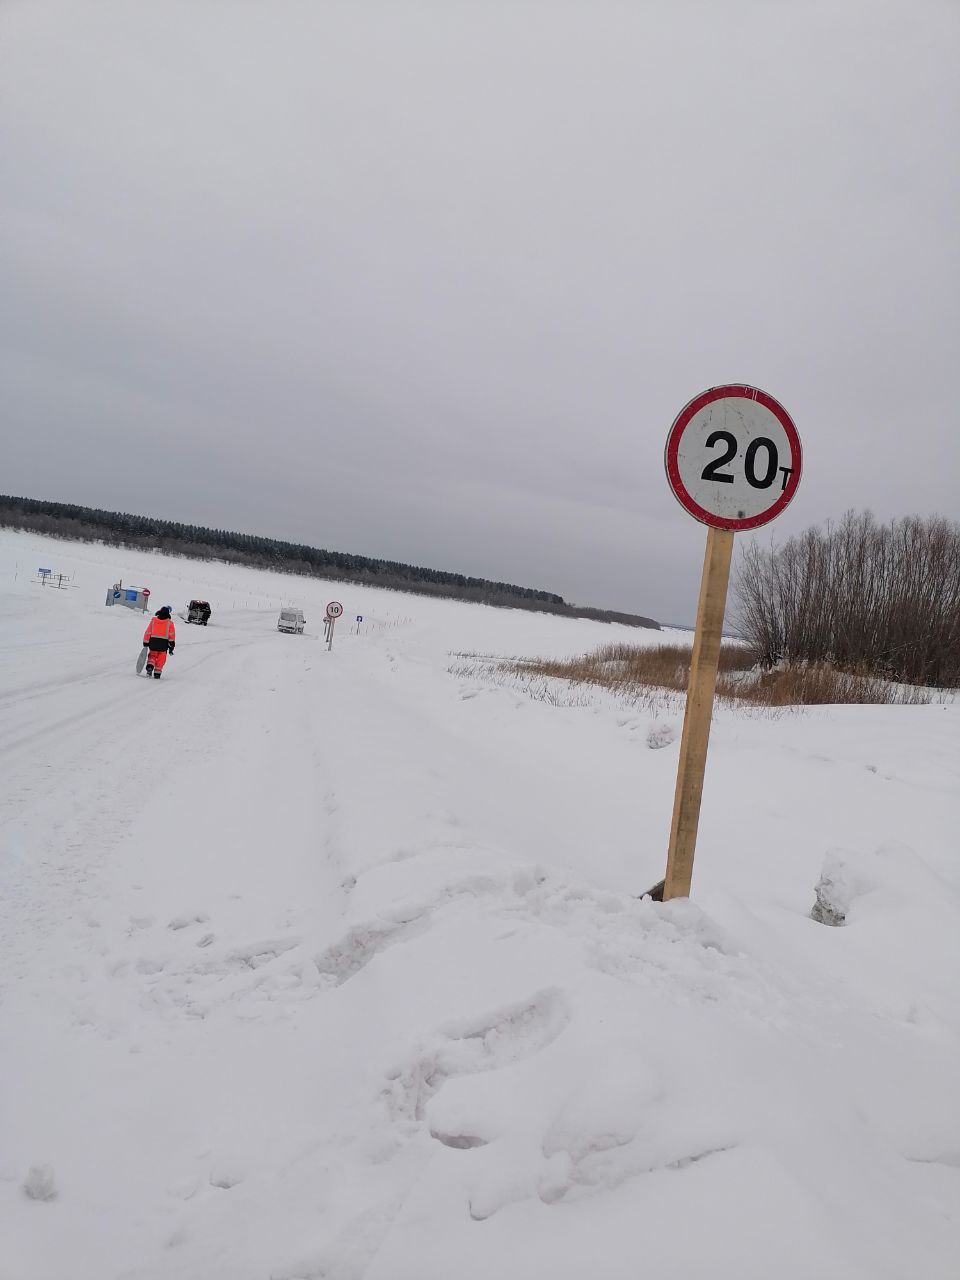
(334, 609)
(733, 457)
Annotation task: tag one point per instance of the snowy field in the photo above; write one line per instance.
(330, 966)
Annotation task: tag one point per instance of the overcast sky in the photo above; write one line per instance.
(431, 280)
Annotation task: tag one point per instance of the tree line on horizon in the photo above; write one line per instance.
(118, 528)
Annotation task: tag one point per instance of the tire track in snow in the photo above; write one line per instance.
(69, 785)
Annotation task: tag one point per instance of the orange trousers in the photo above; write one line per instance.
(157, 659)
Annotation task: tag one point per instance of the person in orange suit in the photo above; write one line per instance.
(160, 638)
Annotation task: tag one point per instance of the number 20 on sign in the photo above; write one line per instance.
(733, 460)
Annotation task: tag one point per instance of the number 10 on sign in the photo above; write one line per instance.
(733, 460)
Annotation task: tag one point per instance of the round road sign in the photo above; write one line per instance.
(334, 609)
(146, 591)
(733, 457)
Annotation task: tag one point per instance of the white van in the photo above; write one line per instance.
(291, 620)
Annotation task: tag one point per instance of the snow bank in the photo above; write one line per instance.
(860, 885)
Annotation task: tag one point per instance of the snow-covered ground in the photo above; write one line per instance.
(330, 966)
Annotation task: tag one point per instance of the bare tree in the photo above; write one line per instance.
(866, 597)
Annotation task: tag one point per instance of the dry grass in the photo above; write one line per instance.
(818, 684)
(627, 670)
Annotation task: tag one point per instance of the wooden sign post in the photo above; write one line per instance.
(698, 713)
(733, 461)
(333, 612)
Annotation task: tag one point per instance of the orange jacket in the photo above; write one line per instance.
(160, 635)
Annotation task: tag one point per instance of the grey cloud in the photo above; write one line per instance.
(432, 280)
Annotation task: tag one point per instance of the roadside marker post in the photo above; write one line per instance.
(359, 620)
(733, 460)
(334, 610)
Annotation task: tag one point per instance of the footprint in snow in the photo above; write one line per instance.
(360, 945)
(186, 920)
(487, 1043)
(40, 1183)
(226, 1174)
(661, 735)
(255, 954)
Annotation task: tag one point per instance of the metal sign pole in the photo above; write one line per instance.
(333, 622)
(697, 716)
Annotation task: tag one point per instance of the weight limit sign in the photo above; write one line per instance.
(733, 457)
(733, 462)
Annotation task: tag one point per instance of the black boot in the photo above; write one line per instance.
(156, 675)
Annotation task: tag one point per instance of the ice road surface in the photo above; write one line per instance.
(332, 966)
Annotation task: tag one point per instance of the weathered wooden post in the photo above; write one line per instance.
(733, 460)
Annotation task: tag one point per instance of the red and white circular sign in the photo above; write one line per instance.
(146, 591)
(733, 457)
(334, 609)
